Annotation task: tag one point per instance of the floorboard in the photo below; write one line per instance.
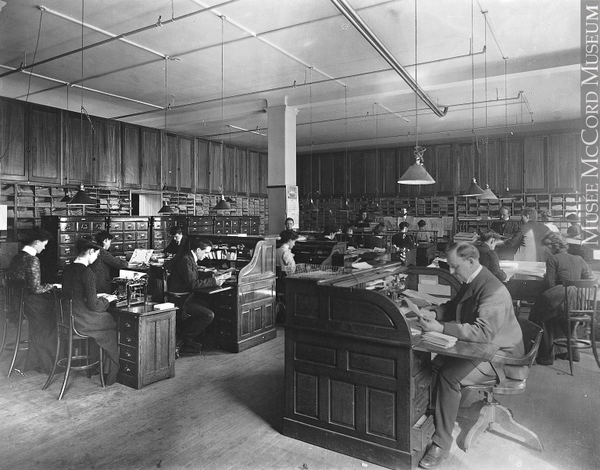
(224, 411)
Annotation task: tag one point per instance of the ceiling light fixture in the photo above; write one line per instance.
(416, 173)
(166, 208)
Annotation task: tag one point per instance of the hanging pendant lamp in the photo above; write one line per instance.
(345, 206)
(311, 206)
(488, 194)
(81, 198)
(222, 205)
(67, 197)
(474, 189)
(166, 209)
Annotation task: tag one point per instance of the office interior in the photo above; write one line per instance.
(226, 117)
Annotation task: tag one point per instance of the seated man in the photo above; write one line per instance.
(376, 240)
(289, 227)
(487, 256)
(178, 243)
(481, 312)
(402, 239)
(193, 317)
(528, 239)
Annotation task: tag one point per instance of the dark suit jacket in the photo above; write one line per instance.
(482, 312)
(528, 241)
(372, 241)
(185, 276)
(489, 259)
(506, 229)
(173, 248)
(104, 268)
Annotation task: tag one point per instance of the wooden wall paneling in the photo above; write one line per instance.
(106, 152)
(264, 173)
(229, 170)
(185, 168)
(535, 164)
(77, 160)
(489, 165)
(371, 172)
(151, 158)
(511, 155)
(12, 140)
(388, 172)
(241, 177)
(131, 163)
(564, 163)
(253, 173)
(327, 177)
(404, 159)
(202, 166)
(340, 175)
(430, 162)
(303, 175)
(44, 143)
(446, 175)
(316, 175)
(356, 172)
(216, 166)
(170, 162)
(465, 155)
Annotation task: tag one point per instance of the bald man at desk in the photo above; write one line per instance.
(481, 312)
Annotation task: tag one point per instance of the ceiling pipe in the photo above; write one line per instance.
(364, 30)
(158, 24)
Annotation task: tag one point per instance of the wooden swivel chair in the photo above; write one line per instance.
(580, 308)
(493, 414)
(78, 348)
(14, 311)
(178, 298)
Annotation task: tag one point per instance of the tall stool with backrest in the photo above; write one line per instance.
(76, 344)
(178, 298)
(14, 310)
(580, 308)
(493, 414)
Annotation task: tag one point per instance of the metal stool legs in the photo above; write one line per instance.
(18, 342)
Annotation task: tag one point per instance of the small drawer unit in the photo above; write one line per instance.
(129, 233)
(160, 235)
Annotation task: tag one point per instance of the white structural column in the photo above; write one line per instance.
(281, 181)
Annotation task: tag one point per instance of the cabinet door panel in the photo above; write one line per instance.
(202, 168)
(512, 165)
(316, 175)
(326, 174)
(467, 167)
(253, 173)
(78, 149)
(339, 174)
(170, 162)
(151, 153)
(44, 144)
(534, 161)
(12, 139)
(229, 170)
(387, 167)
(131, 164)
(371, 169)
(186, 163)
(106, 154)
(264, 169)
(446, 170)
(303, 175)
(356, 170)
(241, 184)
(216, 166)
(564, 163)
(490, 167)
(430, 163)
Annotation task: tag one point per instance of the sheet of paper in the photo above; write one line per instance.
(361, 265)
(413, 308)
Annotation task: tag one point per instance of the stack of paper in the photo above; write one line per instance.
(439, 339)
(465, 237)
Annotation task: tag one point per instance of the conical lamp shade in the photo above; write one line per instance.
(488, 194)
(165, 209)
(222, 205)
(345, 206)
(81, 198)
(311, 206)
(66, 197)
(416, 174)
(474, 189)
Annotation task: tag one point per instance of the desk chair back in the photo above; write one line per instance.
(79, 355)
(14, 312)
(580, 308)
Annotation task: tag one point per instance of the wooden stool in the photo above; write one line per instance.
(14, 296)
(67, 333)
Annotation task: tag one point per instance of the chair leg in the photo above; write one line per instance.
(486, 417)
(56, 359)
(4, 334)
(67, 369)
(503, 418)
(593, 339)
(17, 343)
(569, 345)
(102, 368)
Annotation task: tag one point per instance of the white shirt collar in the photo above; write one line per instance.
(29, 250)
(195, 256)
(474, 275)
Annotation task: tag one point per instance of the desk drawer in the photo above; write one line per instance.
(66, 238)
(128, 368)
(158, 245)
(141, 225)
(421, 383)
(66, 226)
(421, 360)
(141, 235)
(421, 435)
(419, 406)
(116, 227)
(66, 250)
(128, 353)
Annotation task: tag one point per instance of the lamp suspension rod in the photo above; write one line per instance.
(351, 15)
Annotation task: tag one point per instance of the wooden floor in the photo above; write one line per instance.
(224, 411)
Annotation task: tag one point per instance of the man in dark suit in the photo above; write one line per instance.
(487, 255)
(528, 239)
(193, 317)
(178, 243)
(482, 312)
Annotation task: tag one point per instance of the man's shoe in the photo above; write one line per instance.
(188, 343)
(433, 457)
(544, 361)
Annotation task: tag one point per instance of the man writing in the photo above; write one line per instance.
(193, 317)
(482, 312)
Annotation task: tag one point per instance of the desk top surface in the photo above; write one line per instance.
(141, 309)
(462, 349)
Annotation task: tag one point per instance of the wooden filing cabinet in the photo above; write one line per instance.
(161, 230)
(146, 339)
(199, 225)
(129, 233)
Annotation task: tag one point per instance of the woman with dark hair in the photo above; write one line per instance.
(24, 269)
(560, 266)
(89, 308)
(284, 256)
(402, 239)
(106, 264)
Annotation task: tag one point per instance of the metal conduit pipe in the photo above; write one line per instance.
(364, 30)
(117, 37)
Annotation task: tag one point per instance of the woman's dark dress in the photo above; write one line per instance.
(91, 317)
(39, 310)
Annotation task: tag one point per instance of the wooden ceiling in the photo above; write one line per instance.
(500, 66)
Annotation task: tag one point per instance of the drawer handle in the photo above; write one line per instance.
(128, 325)
(127, 369)
(128, 339)
(128, 354)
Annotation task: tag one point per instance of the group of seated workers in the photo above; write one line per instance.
(79, 284)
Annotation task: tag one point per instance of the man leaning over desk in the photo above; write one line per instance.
(193, 317)
(481, 312)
